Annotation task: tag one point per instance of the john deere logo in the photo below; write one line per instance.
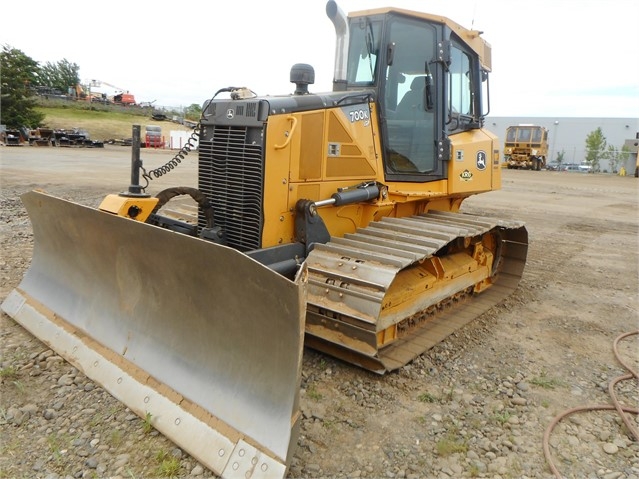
(230, 113)
(481, 160)
(466, 175)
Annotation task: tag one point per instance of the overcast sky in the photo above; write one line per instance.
(563, 58)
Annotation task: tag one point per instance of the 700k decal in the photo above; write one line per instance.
(359, 115)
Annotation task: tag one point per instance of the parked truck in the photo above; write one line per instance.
(526, 147)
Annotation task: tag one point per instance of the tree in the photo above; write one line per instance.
(193, 112)
(595, 148)
(20, 74)
(616, 157)
(560, 158)
(61, 76)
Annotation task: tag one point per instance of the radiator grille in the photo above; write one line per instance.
(230, 174)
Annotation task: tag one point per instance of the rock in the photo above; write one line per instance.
(197, 470)
(610, 448)
(50, 414)
(65, 380)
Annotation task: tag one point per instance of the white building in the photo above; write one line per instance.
(569, 135)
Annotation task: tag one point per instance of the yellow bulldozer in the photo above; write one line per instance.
(330, 220)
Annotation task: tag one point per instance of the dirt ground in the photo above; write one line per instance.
(477, 405)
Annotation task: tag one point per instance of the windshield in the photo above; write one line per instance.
(409, 97)
(524, 134)
(536, 135)
(363, 52)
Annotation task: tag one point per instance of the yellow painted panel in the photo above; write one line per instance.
(309, 191)
(357, 167)
(311, 146)
(351, 149)
(278, 219)
(133, 207)
(336, 131)
(470, 168)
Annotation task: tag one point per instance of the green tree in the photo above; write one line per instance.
(616, 157)
(19, 74)
(560, 158)
(193, 112)
(595, 148)
(61, 75)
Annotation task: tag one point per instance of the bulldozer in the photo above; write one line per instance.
(324, 220)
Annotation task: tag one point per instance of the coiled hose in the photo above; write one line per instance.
(616, 405)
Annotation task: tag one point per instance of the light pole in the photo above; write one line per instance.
(554, 139)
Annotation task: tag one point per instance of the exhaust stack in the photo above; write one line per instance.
(338, 17)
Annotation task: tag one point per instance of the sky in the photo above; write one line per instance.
(563, 58)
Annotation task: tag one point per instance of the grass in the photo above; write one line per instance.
(329, 423)
(450, 445)
(9, 373)
(422, 420)
(313, 394)
(20, 387)
(473, 470)
(96, 420)
(545, 382)
(502, 417)
(449, 395)
(116, 438)
(100, 123)
(147, 425)
(57, 444)
(169, 466)
(427, 397)
(103, 416)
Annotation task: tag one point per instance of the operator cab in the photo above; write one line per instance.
(427, 82)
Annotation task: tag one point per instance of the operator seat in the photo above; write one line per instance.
(414, 98)
(412, 132)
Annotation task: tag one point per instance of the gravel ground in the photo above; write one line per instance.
(485, 403)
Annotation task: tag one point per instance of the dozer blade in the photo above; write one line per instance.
(200, 339)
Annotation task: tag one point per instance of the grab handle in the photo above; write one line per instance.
(289, 134)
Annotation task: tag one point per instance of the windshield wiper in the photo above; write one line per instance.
(370, 42)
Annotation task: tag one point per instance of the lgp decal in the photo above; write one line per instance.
(465, 175)
(481, 160)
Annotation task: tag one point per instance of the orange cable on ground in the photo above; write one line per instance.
(599, 407)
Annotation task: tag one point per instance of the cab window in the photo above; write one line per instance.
(409, 102)
(460, 82)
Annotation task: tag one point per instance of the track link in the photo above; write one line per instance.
(351, 296)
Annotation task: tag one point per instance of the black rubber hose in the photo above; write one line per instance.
(165, 196)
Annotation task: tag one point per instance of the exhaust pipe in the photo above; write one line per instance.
(337, 16)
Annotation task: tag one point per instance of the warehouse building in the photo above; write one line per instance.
(568, 135)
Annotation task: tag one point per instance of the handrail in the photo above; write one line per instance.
(289, 134)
